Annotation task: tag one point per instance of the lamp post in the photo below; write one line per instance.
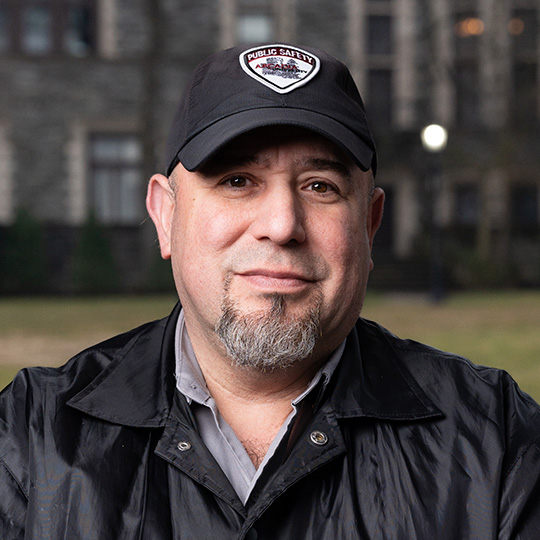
(434, 138)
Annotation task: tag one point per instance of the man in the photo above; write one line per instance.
(263, 407)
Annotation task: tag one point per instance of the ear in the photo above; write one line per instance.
(160, 203)
(374, 218)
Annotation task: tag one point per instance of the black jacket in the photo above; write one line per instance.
(420, 444)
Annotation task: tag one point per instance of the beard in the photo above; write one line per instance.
(268, 339)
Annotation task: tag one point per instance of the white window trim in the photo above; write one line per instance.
(7, 210)
(227, 17)
(107, 24)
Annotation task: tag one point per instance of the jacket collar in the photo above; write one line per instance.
(137, 387)
(386, 389)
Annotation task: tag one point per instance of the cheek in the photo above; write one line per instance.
(347, 245)
(222, 228)
(203, 232)
(349, 259)
(202, 236)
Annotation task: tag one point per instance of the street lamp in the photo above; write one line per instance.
(434, 138)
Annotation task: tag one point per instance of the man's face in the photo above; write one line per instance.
(280, 218)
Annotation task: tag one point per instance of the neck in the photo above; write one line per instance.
(224, 376)
(254, 404)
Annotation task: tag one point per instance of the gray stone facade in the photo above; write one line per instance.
(52, 105)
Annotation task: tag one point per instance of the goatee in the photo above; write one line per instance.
(268, 339)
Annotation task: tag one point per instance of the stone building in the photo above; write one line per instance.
(87, 88)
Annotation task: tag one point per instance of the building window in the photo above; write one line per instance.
(36, 30)
(79, 39)
(523, 28)
(467, 205)
(524, 94)
(379, 35)
(42, 27)
(4, 29)
(380, 64)
(255, 21)
(468, 95)
(254, 27)
(468, 28)
(115, 178)
(524, 208)
(379, 97)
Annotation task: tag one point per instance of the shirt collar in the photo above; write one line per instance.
(190, 379)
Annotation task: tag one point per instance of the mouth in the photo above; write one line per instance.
(276, 280)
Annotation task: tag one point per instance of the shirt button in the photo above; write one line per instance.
(183, 446)
(252, 534)
(318, 437)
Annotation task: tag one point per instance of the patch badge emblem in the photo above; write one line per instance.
(280, 67)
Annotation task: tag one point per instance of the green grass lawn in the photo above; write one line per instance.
(493, 329)
(498, 329)
(49, 331)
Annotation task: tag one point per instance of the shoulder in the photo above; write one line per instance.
(470, 396)
(436, 369)
(488, 433)
(78, 372)
(441, 370)
(38, 395)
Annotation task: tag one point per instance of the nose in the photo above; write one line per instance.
(279, 217)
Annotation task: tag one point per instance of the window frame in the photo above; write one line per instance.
(59, 16)
(255, 8)
(94, 166)
(524, 218)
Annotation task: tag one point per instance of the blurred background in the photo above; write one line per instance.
(88, 89)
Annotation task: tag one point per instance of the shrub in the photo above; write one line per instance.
(94, 267)
(23, 267)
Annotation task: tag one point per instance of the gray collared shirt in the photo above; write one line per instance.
(218, 436)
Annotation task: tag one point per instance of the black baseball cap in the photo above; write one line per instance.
(244, 88)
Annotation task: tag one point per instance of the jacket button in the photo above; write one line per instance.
(252, 534)
(183, 446)
(319, 438)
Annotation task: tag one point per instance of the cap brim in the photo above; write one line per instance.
(199, 149)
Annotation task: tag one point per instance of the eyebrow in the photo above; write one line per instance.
(324, 164)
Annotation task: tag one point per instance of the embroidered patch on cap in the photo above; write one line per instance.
(280, 67)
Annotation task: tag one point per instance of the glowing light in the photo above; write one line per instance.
(434, 138)
(516, 26)
(471, 26)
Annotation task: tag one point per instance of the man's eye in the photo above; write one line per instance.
(236, 181)
(320, 187)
